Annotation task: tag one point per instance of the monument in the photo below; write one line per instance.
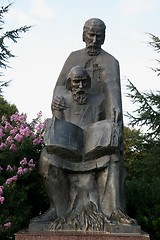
(82, 161)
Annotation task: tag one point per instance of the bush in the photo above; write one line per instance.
(21, 191)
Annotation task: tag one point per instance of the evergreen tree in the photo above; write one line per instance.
(143, 163)
(5, 53)
(6, 109)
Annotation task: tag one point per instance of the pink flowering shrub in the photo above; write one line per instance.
(21, 192)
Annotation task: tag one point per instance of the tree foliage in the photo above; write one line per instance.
(13, 35)
(134, 151)
(142, 151)
(148, 112)
(6, 109)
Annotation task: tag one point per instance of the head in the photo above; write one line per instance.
(78, 82)
(94, 35)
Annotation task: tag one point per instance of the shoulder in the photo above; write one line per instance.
(79, 57)
(107, 55)
(80, 51)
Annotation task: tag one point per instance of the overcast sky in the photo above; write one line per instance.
(57, 31)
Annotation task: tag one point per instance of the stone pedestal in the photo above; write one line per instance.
(80, 235)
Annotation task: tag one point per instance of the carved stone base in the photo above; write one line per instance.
(109, 228)
(80, 235)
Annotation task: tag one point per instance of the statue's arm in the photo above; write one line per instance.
(112, 91)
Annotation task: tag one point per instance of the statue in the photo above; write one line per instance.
(82, 161)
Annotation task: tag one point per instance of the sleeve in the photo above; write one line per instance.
(112, 91)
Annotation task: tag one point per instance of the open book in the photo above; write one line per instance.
(68, 140)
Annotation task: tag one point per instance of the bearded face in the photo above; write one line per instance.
(80, 97)
(94, 38)
(79, 90)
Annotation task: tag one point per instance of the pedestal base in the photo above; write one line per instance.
(80, 235)
(109, 228)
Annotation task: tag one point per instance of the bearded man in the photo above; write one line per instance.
(61, 176)
(83, 108)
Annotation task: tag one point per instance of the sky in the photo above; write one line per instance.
(57, 31)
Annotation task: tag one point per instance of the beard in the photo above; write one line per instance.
(93, 50)
(80, 96)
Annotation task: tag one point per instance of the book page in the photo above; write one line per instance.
(100, 139)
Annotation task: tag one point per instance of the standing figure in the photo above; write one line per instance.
(103, 69)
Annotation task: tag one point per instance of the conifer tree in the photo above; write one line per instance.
(5, 53)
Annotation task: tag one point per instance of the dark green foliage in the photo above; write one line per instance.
(143, 186)
(6, 108)
(134, 151)
(148, 113)
(142, 159)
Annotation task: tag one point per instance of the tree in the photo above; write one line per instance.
(13, 35)
(134, 151)
(148, 113)
(143, 184)
(6, 108)
(143, 181)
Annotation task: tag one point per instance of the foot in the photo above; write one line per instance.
(121, 218)
(49, 215)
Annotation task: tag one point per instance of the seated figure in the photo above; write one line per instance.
(76, 161)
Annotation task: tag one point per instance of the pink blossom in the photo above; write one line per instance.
(9, 139)
(18, 137)
(8, 126)
(25, 170)
(13, 131)
(37, 141)
(23, 161)
(12, 179)
(2, 145)
(1, 168)
(1, 133)
(14, 117)
(13, 147)
(20, 171)
(7, 225)
(3, 119)
(1, 200)
(9, 181)
(38, 127)
(22, 117)
(31, 163)
(25, 131)
(39, 114)
(9, 168)
(18, 118)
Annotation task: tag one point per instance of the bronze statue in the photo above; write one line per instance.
(82, 161)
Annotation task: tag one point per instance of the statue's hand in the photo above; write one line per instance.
(118, 122)
(58, 104)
